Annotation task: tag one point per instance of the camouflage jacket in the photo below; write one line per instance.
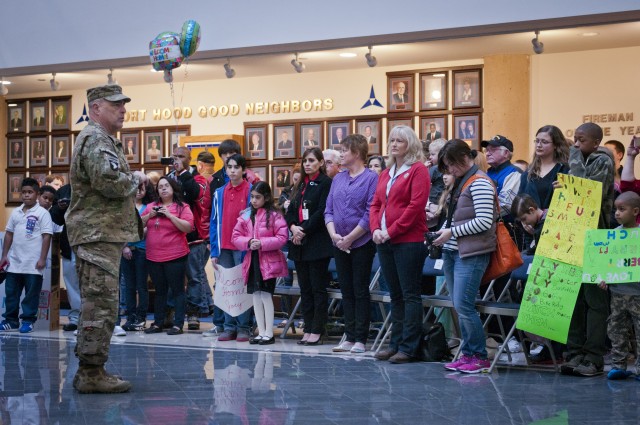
(599, 167)
(103, 189)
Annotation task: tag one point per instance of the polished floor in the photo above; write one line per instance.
(188, 379)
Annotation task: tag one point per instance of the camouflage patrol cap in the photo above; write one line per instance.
(206, 157)
(110, 92)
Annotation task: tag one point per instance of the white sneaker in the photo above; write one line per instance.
(118, 331)
(75, 333)
(514, 345)
(211, 333)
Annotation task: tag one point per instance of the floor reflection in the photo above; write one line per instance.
(183, 385)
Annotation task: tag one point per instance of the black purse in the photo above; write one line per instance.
(433, 344)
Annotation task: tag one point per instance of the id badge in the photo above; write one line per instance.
(305, 214)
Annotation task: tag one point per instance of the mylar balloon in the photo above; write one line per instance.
(190, 38)
(164, 52)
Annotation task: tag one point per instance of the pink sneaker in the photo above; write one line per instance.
(476, 365)
(462, 360)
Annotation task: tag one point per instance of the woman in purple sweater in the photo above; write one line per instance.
(347, 219)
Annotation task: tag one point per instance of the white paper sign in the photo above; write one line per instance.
(230, 293)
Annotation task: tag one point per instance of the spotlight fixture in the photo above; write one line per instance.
(228, 71)
(110, 80)
(371, 60)
(297, 65)
(538, 46)
(53, 83)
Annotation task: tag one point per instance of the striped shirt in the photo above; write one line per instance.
(482, 193)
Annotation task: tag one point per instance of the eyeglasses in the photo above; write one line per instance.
(541, 142)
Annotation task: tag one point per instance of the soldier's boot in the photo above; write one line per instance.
(94, 379)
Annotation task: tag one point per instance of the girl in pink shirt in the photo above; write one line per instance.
(262, 231)
(168, 221)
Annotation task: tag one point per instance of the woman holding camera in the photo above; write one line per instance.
(168, 221)
(468, 238)
(398, 222)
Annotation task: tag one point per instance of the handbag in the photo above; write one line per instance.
(433, 344)
(506, 258)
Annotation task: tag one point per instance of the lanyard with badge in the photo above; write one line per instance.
(303, 212)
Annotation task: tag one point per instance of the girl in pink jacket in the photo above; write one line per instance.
(262, 231)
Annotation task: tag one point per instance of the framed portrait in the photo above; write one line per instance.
(16, 149)
(337, 131)
(61, 150)
(310, 136)
(14, 187)
(39, 150)
(432, 128)
(61, 111)
(467, 128)
(17, 118)
(433, 91)
(261, 172)
(153, 146)
(39, 116)
(255, 141)
(284, 141)
(400, 91)
(162, 171)
(176, 133)
(372, 131)
(280, 178)
(400, 121)
(467, 88)
(131, 146)
(39, 177)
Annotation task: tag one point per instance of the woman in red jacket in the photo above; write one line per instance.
(398, 222)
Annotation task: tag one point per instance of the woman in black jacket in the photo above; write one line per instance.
(310, 246)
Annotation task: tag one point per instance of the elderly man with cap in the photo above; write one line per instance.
(505, 175)
(101, 217)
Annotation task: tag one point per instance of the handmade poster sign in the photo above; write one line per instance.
(230, 293)
(574, 209)
(612, 255)
(549, 298)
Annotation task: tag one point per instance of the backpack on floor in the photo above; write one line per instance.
(433, 344)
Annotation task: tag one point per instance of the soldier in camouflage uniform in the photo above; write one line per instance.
(100, 219)
(588, 329)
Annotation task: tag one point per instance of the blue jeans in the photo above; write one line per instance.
(135, 276)
(14, 284)
(402, 269)
(242, 323)
(463, 276)
(73, 287)
(197, 281)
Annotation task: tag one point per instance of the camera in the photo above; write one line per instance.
(156, 209)
(166, 160)
(435, 252)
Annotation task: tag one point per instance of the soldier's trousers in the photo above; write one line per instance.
(97, 265)
(625, 313)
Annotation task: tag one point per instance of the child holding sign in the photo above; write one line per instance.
(625, 298)
(263, 231)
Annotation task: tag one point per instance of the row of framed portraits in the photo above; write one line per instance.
(40, 115)
(279, 175)
(288, 140)
(434, 91)
(141, 146)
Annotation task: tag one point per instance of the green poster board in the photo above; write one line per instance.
(612, 255)
(549, 298)
(574, 208)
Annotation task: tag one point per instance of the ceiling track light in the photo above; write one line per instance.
(228, 71)
(538, 46)
(110, 80)
(371, 60)
(297, 65)
(53, 83)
